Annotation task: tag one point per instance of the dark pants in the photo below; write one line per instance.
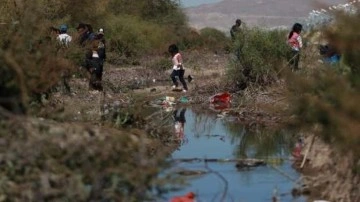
(178, 73)
(96, 71)
(294, 60)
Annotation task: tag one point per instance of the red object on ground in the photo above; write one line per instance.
(189, 197)
(221, 97)
(297, 150)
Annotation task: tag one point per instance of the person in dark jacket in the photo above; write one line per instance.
(235, 29)
(94, 62)
(85, 33)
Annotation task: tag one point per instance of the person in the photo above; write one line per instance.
(179, 123)
(295, 43)
(101, 36)
(330, 53)
(94, 58)
(235, 29)
(63, 37)
(178, 67)
(85, 33)
(102, 45)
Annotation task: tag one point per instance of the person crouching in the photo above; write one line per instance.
(94, 62)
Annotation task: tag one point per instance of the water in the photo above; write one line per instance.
(192, 3)
(205, 136)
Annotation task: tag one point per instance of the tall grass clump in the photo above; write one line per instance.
(258, 57)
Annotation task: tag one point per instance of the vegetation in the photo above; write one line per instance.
(259, 57)
(329, 94)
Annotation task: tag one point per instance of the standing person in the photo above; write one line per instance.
(102, 45)
(85, 33)
(178, 68)
(295, 42)
(235, 29)
(94, 58)
(63, 37)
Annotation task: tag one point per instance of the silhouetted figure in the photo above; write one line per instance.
(179, 123)
(235, 29)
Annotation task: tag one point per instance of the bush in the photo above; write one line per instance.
(214, 39)
(130, 36)
(260, 55)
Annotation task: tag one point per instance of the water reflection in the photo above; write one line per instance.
(179, 124)
(212, 138)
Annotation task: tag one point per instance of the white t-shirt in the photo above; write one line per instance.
(64, 38)
(177, 62)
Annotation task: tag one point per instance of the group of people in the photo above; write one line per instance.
(94, 44)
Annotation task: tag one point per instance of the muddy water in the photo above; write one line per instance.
(208, 137)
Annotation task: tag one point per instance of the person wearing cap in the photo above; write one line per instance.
(85, 33)
(100, 36)
(63, 37)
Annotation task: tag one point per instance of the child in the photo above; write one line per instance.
(295, 42)
(178, 68)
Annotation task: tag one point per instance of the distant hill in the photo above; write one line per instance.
(268, 13)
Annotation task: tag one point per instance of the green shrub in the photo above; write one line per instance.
(130, 36)
(214, 39)
(260, 55)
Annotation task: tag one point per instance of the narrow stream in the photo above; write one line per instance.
(208, 137)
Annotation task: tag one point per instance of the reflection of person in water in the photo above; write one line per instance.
(179, 123)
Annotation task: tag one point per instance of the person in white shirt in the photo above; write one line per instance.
(178, 67)
(63, 37)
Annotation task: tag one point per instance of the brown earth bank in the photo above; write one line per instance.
(267, 13)
(328, 173)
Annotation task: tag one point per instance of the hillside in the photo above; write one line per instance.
(269, 13)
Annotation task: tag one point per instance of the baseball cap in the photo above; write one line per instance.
(63, 28)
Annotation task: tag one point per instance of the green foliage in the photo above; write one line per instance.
(164, 12)
(213, 39)
(131, 36)
(345, 37)
(260, 55)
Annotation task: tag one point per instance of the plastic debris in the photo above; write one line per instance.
(221, 98)
(184, 99)
(189, 197)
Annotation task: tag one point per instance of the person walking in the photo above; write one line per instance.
(94, 61)
(64, 38)
(295, 43)
(178, 68)
(235, 29)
